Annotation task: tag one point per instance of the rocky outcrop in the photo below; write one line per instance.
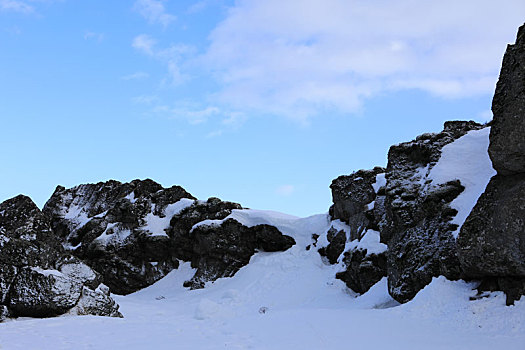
(507, 140)
(221, 249)
(119, 229)
(491, 244)
(418, 230)
(357, 212)
(350, 196)
(135, 233)
(37, 277)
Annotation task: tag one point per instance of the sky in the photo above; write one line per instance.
(262, 102)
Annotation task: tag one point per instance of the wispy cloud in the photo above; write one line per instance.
(154, 11)
(16, 6)
(135, 76)
(172, 56)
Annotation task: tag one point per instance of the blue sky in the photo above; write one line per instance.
(262, 102)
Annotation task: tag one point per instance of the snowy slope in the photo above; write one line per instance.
(285, 300)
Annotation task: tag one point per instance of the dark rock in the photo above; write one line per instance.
(42, 293)
(362, 270)
(220, 250)
(350, 195)
(182, 223)
(491, 242)
(507, 140)
(336, 246)
(37, 277)
(417, 225)
(110, 226)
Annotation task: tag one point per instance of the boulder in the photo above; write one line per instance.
(38, 278)
(336, 245)
(363, 270)
(221, 249)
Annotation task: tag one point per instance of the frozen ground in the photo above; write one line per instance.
(287, 300)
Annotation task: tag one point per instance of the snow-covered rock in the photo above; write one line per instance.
(38, 278)
(119, 229)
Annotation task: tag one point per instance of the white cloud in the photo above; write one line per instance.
(16, 6)
(285, 190)
(154, 11)
(301, 58)
(144, 43)
(136, 76)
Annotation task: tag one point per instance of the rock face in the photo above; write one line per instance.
(491, 244)
(418, 229)
(135, 233)
(37, 277)
(507, 140)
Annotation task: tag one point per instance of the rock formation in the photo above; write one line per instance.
(37, 276)
(135, 233)
(491, 243)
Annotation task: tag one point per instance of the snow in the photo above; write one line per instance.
(77, 215)
(157, 225)
(305, 308)
(49, 272)
(370, 242)
(465, 159)
(380, 182)
(116, 236)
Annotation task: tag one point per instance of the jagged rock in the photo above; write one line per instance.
(119, 229)
(336, 245)
(362, 270)
(37, 277)
(220, 250)
(350, 196)
(507, 140)
(417, 225)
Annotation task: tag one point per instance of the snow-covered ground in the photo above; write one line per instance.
(286, 300)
